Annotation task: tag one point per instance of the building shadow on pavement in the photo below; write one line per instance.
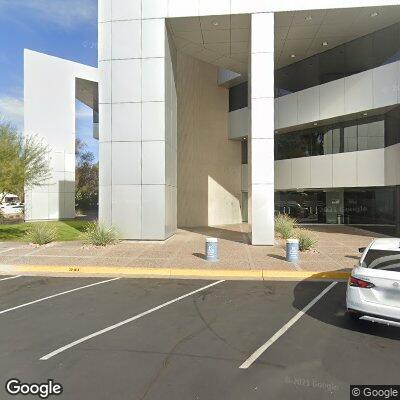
(342, 230)
(331, 309)
(233, 235)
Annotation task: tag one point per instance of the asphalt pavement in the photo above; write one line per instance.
(107, 338)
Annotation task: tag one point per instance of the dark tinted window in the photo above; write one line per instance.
(382, 259)
(292, 145)
(364, 134)
(370, 51)
(244, 152)
(238, 97)
(370, 208)
(349, 138)
(392, 127)
(371, 135)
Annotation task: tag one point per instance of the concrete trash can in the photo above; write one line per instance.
(212, 249)
(292, 250)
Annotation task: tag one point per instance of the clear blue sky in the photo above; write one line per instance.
(63, 28)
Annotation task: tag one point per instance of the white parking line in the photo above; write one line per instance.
(281, 331)
(10, 277)
(56, 295)
(126, 321)
(5, 251)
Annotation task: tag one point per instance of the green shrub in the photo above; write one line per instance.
(41, 233)
(98, 234)
(284, 226)
(306, 240)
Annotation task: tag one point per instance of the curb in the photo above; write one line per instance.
(173, 273)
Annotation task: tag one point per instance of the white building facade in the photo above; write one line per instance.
(219, 112)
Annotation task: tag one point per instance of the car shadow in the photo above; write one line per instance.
(331, 309)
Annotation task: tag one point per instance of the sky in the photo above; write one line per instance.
(62, 28)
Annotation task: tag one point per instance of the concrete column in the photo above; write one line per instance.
(261, 141)
(137, 129)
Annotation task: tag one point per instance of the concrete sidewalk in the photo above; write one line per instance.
(337, 250)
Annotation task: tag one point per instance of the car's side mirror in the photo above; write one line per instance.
(361, 249)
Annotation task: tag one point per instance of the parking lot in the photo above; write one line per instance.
(110, 338)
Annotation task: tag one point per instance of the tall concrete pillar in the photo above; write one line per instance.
(137, 121)
(261, 138)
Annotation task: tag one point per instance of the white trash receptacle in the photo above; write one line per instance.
(292, 250)
(212, 249)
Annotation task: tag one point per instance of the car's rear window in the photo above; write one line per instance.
(382, 259)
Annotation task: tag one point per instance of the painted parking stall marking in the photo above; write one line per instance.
(285, 328)
(10, 277)
(126, 321)
(57, 295)
(6, 250)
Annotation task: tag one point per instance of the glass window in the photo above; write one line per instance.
(367, 134)
(317, 143)
(332, 65)
(392, 127)
(244, 152)
(292, 145)
(328, 145)
(369, 208)
(388, 260)
(385, 45)
(369, 51)
(350, 138)
(321, 142)
(336, 141)
(238, 97)
(371, 135)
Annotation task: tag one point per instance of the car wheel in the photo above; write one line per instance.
(352, 315)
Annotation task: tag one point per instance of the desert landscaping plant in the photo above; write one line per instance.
(24, 161)
(306, 240)
(41, 233)
(86, 179)
(285, 226)
(98, 234)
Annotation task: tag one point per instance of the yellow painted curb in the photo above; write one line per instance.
(173, 272)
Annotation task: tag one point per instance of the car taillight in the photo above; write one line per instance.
(360, 283)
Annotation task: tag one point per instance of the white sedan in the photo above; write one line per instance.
(12, 209)
(373, 290)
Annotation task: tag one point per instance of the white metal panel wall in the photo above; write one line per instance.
(49, 112)
(377, 167)
(138, 120)
(261, 185)
(189, 8)
(239, 123)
